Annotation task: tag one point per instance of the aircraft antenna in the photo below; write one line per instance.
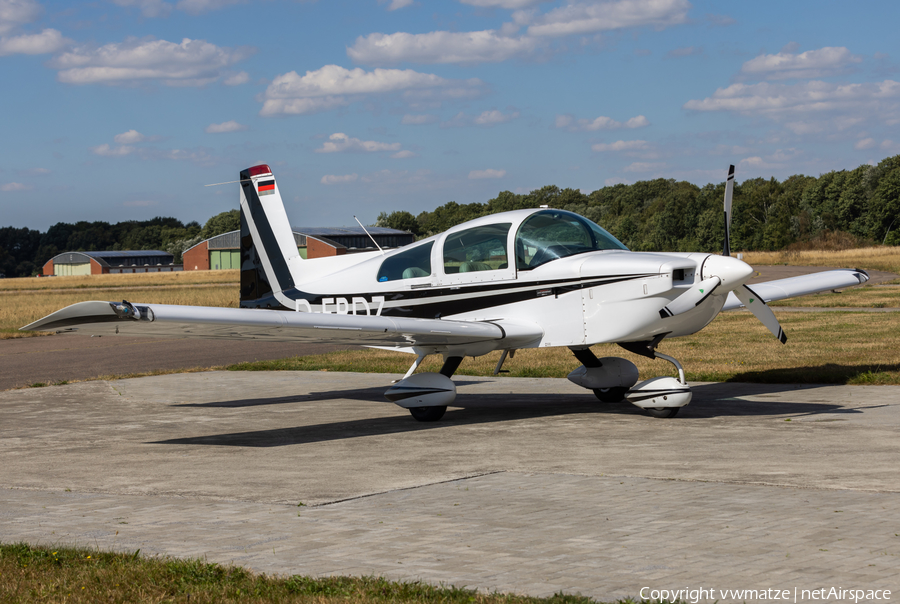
(230, 182)
(369, 234)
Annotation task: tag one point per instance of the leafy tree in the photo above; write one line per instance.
(400, 219)
(223, 222)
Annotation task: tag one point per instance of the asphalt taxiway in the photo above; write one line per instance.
(527, 485)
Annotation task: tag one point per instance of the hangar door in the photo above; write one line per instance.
(68, 270)
(224, 259)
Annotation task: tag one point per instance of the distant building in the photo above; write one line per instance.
(100, 263)
(224, 251)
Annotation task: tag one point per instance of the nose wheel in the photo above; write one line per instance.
(663, 412)
(427, 414)
(610, 395)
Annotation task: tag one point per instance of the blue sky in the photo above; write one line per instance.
(123, 109)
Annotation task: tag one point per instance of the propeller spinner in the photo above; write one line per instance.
(725, 273)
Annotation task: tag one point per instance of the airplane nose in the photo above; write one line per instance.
(731, 271)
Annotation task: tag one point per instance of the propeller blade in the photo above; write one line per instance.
(758, 307)
(691, 298)
(729, 191)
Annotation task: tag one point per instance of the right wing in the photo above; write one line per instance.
(170, 321)
(770, 291)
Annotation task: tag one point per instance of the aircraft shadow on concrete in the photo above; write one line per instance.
(373, 394)
(710, 401)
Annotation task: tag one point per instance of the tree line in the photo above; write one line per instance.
(651, 215)
(24, 251)
(667, 215)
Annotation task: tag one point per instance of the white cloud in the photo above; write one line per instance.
(419, 119)
(149, 8)
(15, 186)
(129, 138)
(822, 63)
(331, 86)
(593, 17)
(341, 143)
(190, 63)
(720, 20)
(229, 126)
(336, 179)
(776, 100)
(866, 143)
(685, 51)
(486, 46)
(641, 166)
(757, 162)
(486, 119)
(489, 173)
(237, 79)
(196, 7)
(160, 8)
(568, 122)
(621, 146)
(106, 150)
(403, 154)
(398, 4)
(45, 42)
(197, 155)
(34, 172)
(14, 13)
(489, 118)
(508, 4)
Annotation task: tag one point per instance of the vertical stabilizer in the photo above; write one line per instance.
(270, 261)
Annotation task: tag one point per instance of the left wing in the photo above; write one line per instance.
(792, 287)
(170, 321)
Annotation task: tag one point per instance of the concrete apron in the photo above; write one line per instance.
(529, 485)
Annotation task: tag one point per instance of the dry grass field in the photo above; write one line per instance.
(142, 280)
(876, 258)
(20, 306)
(841, 347)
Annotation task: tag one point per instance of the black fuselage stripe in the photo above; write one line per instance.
(479, 299)
(269, 242)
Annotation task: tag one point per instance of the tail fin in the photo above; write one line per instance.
(270, 261)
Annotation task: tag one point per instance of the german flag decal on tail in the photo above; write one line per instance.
(266, 187)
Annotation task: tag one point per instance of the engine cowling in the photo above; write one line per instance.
(614, 372)
(423, 390)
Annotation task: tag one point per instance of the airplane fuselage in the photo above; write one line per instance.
(485, 270)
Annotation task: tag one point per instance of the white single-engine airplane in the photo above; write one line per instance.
(520, 279)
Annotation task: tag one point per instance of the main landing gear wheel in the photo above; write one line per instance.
(662, 412)
(610, 395)
(428, 414)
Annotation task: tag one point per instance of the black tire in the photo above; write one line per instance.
(427, 414)
(663, 412)
(610, 395)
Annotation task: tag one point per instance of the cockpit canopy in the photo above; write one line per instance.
(551, 234)
(541, 237)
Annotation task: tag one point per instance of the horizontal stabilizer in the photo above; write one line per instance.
(792, 287)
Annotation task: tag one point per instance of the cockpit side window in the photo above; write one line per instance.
(480, 248)
(552, 234)
(409, 264)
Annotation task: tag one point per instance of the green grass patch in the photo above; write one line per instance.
(65, 574)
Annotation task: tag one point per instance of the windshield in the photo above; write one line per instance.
(553, 234)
